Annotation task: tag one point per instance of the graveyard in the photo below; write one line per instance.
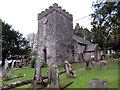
(63, 58)
(82, 76)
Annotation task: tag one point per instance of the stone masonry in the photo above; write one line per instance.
(55, 30)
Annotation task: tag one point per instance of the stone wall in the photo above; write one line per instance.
(64, 32)
(87, 55)
(96, 54)
(78, 51)
(47, 39)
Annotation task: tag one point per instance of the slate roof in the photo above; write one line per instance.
(89, 46)
(81, 40)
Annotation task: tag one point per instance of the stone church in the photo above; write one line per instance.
(56, 41)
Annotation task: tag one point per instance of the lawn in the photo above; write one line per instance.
(83, 76)
(29, 72)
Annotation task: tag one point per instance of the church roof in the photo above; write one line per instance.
(81, 40)
(89, 46)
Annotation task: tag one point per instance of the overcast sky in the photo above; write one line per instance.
(22, 14)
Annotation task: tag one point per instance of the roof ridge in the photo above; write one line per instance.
(81, 40)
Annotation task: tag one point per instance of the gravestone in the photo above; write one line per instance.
(98, 84)
(38, 79)
(102, 64)
(119, 60)
(68, 69)
(97, 64)
(93, 64)
(87, 67)
(5, 70)
(13, 64)
(53, 77)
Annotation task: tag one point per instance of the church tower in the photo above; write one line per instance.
(55, 30)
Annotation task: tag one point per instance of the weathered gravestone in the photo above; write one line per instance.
(97, 64)
(13, 64)
(38, 79)
(53, 78)
(102, 64)
(87, 67)
(68, 69)
(5, 70)
(93, 64)
(98, 84)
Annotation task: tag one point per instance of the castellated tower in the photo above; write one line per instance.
(55, 30)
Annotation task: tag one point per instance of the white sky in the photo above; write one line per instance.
(22, 14)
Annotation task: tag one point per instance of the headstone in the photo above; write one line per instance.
(53, 78)
(69, 71)
(5, 70)
(98, 84)
(38, 68)
(38, 79)
(102, 64)
(92, 57)
(93, 64)
(20, 61)
(97, 64)
(87, 65)
(13, 64)
(23, 60)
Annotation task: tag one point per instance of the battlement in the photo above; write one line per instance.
(57, 8)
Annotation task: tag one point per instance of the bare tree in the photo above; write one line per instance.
(32, 38)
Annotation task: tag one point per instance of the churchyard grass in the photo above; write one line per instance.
(29, 73)
(83, 76)
(78, 65)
